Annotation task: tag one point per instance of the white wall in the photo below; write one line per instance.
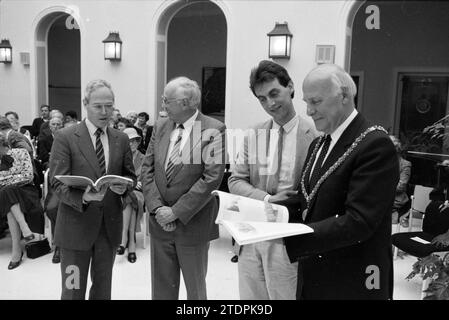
(133, 79)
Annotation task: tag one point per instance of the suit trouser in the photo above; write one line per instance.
(167, 259)
(265, 272)
(75, 269)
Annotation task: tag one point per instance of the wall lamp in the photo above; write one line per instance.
(113, 47)
(5, 51)
(279, 41)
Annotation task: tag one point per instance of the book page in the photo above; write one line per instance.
(238, 208)
(113, 180)
(246, 232)
(75, 181)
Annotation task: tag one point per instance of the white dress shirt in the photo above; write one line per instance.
(335, 136)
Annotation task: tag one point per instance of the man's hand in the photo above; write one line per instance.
(271, 213)
(93, 195)
(282, 196)
(118, 188)
(441, 240)
(164, 215)
(169, 227)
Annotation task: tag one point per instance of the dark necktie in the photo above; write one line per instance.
(174, 158)
(319, 163)
(273, 180)
(100, 151)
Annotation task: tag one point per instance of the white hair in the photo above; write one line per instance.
(189, 87)
(339, 77)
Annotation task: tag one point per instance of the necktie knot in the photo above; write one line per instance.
(99, 132)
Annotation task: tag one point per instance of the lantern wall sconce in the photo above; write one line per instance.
(5, 51)
(279, 41)
(113, 47)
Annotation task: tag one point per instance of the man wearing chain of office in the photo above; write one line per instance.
(346, 193)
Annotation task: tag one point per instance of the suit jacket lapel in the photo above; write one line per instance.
(113, 145)
(87, 149)
(164, 142)
(301, 152)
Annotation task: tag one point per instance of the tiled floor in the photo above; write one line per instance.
(40, 279)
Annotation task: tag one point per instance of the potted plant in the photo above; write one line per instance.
(436, 269)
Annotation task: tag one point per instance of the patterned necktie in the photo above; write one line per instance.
(174, 158)
(100, 151)
(273, 180)
(319, 163)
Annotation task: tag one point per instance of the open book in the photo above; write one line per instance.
(82, 182)
(247, 220)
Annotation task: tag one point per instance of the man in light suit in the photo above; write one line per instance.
(89, 223)
(265, 271)
(346, 194)
(183, 164)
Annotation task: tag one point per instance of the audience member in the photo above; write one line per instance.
(132, 116)
(134, 201)
(19, 198)
(89, 225)
(264, 269)
(178, 191)
(71, 116)
(37, 122)
(401, 197)
(47, 142)
(346, 194)
(147, 130)
(124, 123)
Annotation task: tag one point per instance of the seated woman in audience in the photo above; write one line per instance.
(134, 201)
(124, 123)
(19, 198)
(401, 197)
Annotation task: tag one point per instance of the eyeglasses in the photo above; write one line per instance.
(167, 101)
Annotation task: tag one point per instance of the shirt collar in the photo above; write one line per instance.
(342, 127)
(288, 126)
(92, 128)
(189, 122)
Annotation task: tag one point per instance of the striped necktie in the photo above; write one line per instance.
(100, 151)
(174, 158)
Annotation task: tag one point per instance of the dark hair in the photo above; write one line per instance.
(144, 114)
(267, 71)
(13, 113)
(45, 106)
(4, 123)
(127, 122)
(71, 114)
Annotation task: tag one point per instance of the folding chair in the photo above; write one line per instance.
(417, 243)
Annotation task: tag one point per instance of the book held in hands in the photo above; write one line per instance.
(249, 220)
(82, 182)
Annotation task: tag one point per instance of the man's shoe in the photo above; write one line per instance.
(235, 259)
(56, 256)
(121, 250)
(13, 265)
(132, 257)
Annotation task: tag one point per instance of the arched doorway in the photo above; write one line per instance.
(58, 62)
(201, 58)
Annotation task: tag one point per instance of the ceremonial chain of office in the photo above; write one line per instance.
(334, 167)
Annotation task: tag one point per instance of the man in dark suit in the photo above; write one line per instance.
(346, 194)
(183, 164)
(89, 223)
(37, 122)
